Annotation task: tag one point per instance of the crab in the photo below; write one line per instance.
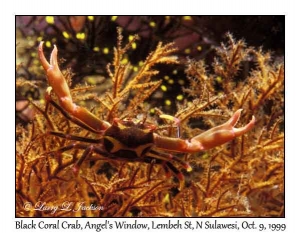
(130, 140)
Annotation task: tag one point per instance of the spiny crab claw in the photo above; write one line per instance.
(220, 134)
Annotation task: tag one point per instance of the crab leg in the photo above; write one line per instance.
(60, 87)
(207, 140)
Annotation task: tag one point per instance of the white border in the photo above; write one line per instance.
(164, 7)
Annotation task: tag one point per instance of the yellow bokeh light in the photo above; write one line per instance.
(187, 51)
(50, 19)
(133, 45)
(179, 97)
(130, 37)
(114, 18)
(168, 102)
(96, 49)
(80, 35)
(187, 17)
(106, 50)
(152, 24)
(171, 81)
(66, 35)
(163, 88)
(91, 18)
(124, 61)
(48, 44)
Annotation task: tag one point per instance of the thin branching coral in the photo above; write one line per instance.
(59, 174)
(244, 178)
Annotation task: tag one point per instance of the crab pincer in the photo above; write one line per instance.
(211, 138)
(220, 134)
(60, 87)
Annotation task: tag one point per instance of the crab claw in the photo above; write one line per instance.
(207, 140)
(55, 77)
(60, 87)
(220, 134)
